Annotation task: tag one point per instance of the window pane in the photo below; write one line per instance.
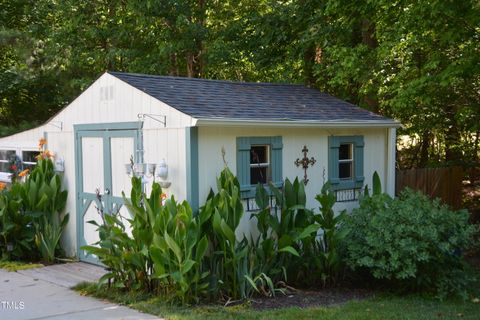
(6, 154)
(4, 167)
(258, 154)
(258, 175)
(346, 152)
(30, 156)
(345, 170)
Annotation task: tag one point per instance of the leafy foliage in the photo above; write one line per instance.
(412, 242)
(288, 236)
(330, 260)
(44, 200)
(127, 258)
(32, 218)
(417, 61)
(229, 260)
(187, 257)
(16, 229)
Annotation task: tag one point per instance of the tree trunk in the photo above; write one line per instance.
(173, 65)
(309, 56)
(368, 34)
(424, 146)
(453, 153)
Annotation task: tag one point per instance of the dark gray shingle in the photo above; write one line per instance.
(201, 98)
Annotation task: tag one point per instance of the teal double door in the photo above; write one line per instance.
(101, 153)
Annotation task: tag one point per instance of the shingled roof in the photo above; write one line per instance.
(215, 99)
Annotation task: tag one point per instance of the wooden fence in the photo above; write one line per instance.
(444, 183)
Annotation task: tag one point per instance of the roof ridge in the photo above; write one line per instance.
(208, 80)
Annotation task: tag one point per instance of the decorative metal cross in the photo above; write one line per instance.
(305, 162)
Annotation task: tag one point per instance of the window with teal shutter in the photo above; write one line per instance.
(259, 160)
(345, 162)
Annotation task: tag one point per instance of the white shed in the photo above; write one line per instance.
(263, 129)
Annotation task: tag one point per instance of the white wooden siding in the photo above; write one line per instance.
(123, 103)
(168, 144)
(212, 139)
(62, 144)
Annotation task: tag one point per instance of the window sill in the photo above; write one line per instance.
(249, 191)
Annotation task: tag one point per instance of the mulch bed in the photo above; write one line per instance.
(305, 299)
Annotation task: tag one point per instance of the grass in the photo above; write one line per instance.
(380, 307)
(13, 266)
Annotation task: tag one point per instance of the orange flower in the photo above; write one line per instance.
(23, 173)
(42, 142)
(3, 185)
(49, 154)
(163, 196)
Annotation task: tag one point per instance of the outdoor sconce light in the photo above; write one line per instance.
(162, 173)
(148, 170)
(151, 169)
(59, 165)
(139, 169)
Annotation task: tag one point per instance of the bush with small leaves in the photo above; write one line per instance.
(412, 242)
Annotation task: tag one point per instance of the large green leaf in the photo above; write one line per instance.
(202, 247)
(187, 265)
(228, 232)
(290, 250)
(174, 247)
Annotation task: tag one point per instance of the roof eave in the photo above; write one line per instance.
(387, 123)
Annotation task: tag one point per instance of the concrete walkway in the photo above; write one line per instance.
(44, 293)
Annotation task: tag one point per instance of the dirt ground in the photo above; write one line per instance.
(303, 299)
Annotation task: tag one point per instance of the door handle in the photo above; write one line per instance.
(107, 191)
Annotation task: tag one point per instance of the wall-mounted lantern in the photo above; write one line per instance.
(162, 173)
(149, 170)
(59, 165)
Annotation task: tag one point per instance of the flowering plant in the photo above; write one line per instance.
(44, 152)
(15, 166)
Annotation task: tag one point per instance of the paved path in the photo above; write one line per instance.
(44, 293)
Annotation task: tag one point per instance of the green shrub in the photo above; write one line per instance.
(44, 200)
(17, 233)
(178, 250)
(188, 257)
(413, 242)
(31, 215)
(329, 261)
(287, 238)
(290, 241)
(232, 262)
(128, 258)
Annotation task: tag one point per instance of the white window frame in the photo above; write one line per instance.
(5, 176)
(28, 150)
(351, 160)
(263, 164)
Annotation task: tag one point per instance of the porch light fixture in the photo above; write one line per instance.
(162, 173)
(59, 165)
(139, 169)
(145, 171)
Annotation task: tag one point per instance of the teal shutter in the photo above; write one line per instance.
(276, 160)
(333, 152)
(358, 166)
(334, 143)
(243, 163)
